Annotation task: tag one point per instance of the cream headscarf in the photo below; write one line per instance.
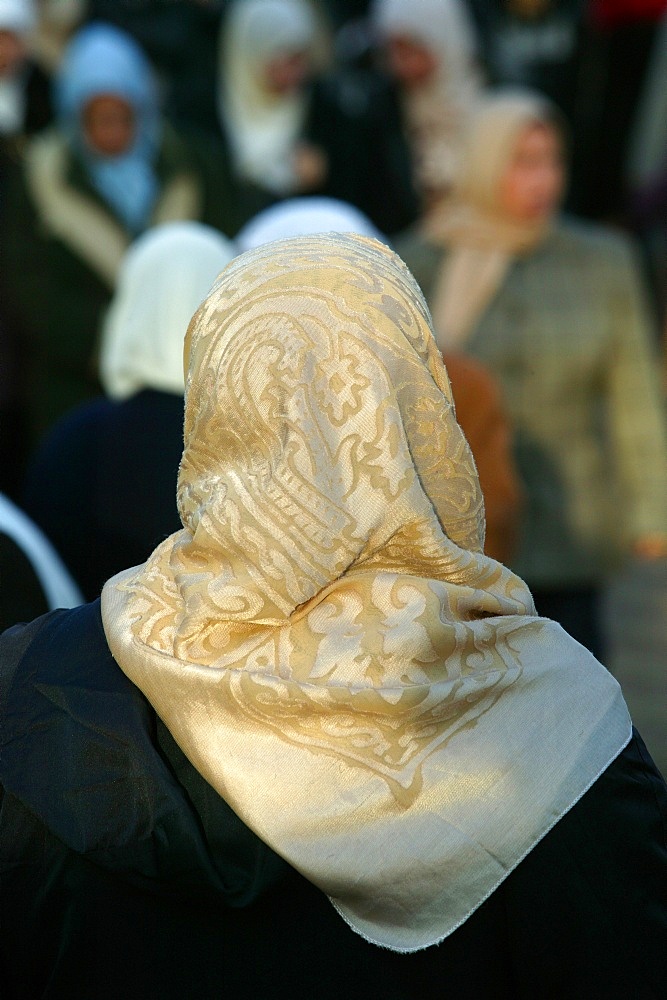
(435, 112)
(324, 638)
(163, 278)
(262, 127)
(482, 240)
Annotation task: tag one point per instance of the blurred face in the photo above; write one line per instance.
(108, 125)
(286, 74)
(409, 61)
(12, 53)
(532, 185)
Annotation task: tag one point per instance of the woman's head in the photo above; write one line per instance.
(313, 371)
(108, 124)
(422, 39)
(17, 19)
(304, 217)
(165, 275)
(105, 91)
(272, 42)
(512, 164)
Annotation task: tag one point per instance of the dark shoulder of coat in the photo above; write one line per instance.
(355, 119)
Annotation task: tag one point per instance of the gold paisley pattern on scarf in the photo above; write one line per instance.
(325, 638)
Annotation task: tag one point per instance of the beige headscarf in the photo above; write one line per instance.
(481, 239)
(324, 638)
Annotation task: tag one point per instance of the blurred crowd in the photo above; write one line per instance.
(514, 153)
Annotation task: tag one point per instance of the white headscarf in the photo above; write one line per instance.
(304, 217)
(163, 278)
(437, 110)
(17, 16)
(262, 127)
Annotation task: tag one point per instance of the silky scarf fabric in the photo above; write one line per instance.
(481, 238)
(102, 60)
(165, 275)
(372, 695)
(263, 127)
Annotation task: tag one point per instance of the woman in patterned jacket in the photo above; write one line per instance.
(555, 309)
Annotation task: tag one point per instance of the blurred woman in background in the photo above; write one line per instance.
(480, 408)
(85, 478)
(430, 51)
(267, 55)
(296, 126)
(108, 171)
(555, 309)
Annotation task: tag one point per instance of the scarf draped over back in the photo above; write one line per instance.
(325, 638)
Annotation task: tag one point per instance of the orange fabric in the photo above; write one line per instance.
(481, 412)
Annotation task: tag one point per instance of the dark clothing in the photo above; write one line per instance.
(39, 103)
(56, 289)
(540, 50)
(181, 39)
(577, 609)
(21, 593)
(83, 484)
(125, 875)
(355, 119)
(13, 430)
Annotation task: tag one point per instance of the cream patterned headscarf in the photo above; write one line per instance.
(324, 638)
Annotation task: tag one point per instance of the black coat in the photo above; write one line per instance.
(102, 486)
(124, 874)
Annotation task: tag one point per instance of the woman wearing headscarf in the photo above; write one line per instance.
(85, 477)
(111, 169)
(430, 50)
(268, 50)
(340, 696)
(555, 309)
(294, 128)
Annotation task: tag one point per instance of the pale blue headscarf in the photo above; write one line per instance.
(103, 60)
